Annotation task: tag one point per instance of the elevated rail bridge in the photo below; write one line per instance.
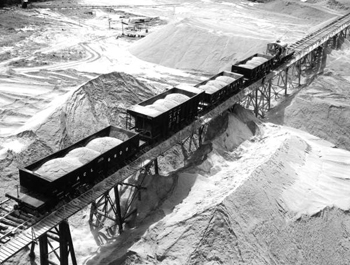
(20, 230)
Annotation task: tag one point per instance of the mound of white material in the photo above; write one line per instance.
(248, 66)
(145, 110)
(216, 83)
(252, 63)
(103, 144)
(322, 180)
(208, 88)
(177, 97)
(56, 168)
(246, 209)
(321, 109)
(258, 60)
(166, 103)
(191, 44)
(83, 154)
(225, 79)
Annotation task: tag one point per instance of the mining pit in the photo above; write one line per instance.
(260, 191)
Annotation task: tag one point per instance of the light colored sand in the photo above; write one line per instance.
(83, 154)
(177, 97)
(58, 167)
(103, 144)
(226, 79)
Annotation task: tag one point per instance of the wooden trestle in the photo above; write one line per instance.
(310, 54)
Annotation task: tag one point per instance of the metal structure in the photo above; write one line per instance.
(309, 59)
(18, 230)
(57, 242)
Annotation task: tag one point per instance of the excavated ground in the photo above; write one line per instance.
(322, 108)
(257, 193)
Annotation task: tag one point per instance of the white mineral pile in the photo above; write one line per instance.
(281, 197)
(161, 105)
(76, 158)
(254, 62)
(216, 84)
(192, 44)
(103, 144)
(84, 154)
(322, 108)
(81, 112)
(58, 167)
(87, 109)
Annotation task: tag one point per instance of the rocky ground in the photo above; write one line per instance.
(268, 195)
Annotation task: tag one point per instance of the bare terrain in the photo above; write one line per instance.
(275, 195)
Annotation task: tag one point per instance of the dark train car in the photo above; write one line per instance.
(38, 190)
(253, 72)
(154, 124)
(212, 98)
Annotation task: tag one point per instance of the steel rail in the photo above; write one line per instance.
(24, 238)
(41, 227)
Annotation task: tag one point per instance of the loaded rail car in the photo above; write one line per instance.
(40, 190)
(165, 113)
(254, 67)
(220, 87)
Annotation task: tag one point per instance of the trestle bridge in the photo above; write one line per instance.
(19, 230)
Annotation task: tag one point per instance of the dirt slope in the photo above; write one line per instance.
(322, 108)
(83, 111)
(251, 205)
(190, 44)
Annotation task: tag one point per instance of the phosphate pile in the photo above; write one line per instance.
(191, 44)
(254, 62)
(322, 108)
(81, 112)
(58, 167)
(162, 105)
(281, 197)
(214, 85)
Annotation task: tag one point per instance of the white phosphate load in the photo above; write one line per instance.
(217, 84)
(83, 154)
(158, 108)
(180, 98)
(166, 103)
(254, 62)
(145, 110)
(103, 144)
(162, 105)
(208, 88)
(225, 79)
(58, 167)
(248, 66)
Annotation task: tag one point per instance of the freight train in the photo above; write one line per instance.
(68, 173)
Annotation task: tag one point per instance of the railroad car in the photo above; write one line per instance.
(151, 121)
(254, 67)
(220, 87)
(165, 113)
(41, 191)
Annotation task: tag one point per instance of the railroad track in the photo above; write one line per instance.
(17, 228)
(299, 45)
(12, 222)
(320, 36)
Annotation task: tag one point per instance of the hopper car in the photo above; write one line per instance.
(165, 113)
(40, 192)
(220, 87)
(147, 123)
(254, 67)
